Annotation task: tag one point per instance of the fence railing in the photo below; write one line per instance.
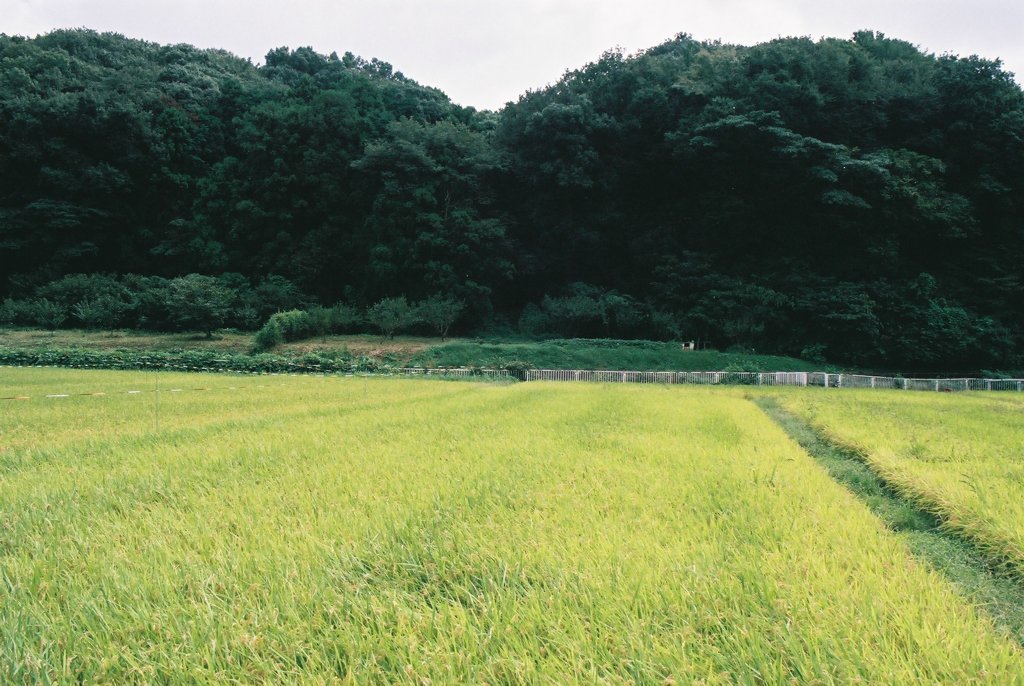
(822, 379)
(456, 373)
(703, 378)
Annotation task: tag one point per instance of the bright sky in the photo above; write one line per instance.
(487, 52)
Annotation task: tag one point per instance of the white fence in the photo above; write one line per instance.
(898, 382)
(822, 379)
(458, 373)
(703, 378)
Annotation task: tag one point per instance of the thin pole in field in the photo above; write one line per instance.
(156, 395)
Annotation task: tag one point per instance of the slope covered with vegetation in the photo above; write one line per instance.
(854, 200)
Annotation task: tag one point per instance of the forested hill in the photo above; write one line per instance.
(856, 200)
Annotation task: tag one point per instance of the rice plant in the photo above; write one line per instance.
(342, 530)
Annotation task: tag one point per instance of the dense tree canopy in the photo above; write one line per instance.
(856, 200)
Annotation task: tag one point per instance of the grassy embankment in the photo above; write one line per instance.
(955, 456)
(326, 529)
(419, 351)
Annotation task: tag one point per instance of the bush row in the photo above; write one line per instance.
(210, 361)
(387, 316)
(192, 302)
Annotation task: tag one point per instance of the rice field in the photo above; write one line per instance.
(960, 456)
(339, 530)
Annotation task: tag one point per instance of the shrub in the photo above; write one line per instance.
(150, 295)
(48, 314)
(440, 312)
(321, 321)
(295, 324)
(346, 319)
(391, 315)
(268, 337)
(199, 303)
(278, 294)
(103, 312)
(102, 299)
(19, 312)
(292, 325)
(533, 322)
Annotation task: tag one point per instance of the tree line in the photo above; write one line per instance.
(852, 200)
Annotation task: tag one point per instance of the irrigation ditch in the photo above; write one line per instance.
(975, 576)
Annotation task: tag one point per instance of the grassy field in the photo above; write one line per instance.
(604, 354)
(343, 530)
(957, 456)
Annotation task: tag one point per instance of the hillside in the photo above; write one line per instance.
(857, 201)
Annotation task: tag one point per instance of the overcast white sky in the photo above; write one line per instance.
(487, 52)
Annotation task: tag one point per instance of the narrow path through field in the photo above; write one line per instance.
(998, 594)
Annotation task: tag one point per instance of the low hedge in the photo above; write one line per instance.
(190, 360)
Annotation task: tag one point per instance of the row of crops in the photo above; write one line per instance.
(956, 457)
(343, 530)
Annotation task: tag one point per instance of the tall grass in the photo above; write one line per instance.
(327, 530)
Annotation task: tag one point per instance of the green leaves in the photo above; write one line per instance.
(391, 314)
(740, 191)
(199, 302)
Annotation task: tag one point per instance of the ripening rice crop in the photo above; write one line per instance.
(339, 530)
(959, 456)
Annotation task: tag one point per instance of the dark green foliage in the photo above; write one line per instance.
(153, 302)
(36, 312)
(296, 325)
(190, 360)
(292, 325)
(103, 312)
(586, 311)
(17, 312)
(149, 295)
(48, 314)
(784, 197)
(345, 319)
(268, 337)
(390, 315)
(600, 354)
(439, 312)
(276, 294)
(199, 303)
